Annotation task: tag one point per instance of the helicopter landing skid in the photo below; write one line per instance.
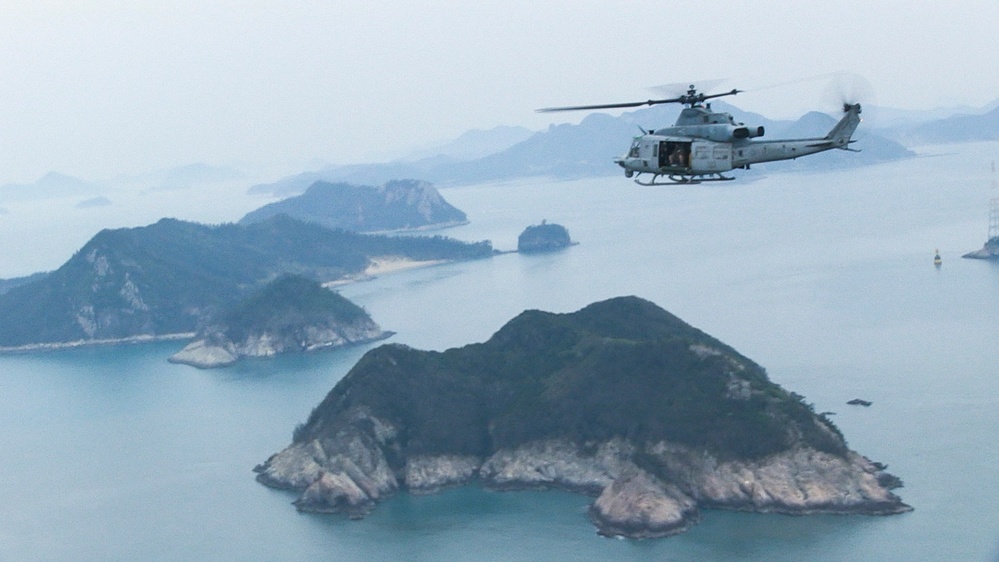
(684, 180)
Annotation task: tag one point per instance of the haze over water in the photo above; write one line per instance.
(825, 279)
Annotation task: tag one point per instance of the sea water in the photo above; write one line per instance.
(825, 279)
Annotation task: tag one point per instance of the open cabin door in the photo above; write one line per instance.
(674, 154)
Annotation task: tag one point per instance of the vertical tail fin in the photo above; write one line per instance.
(841, 133)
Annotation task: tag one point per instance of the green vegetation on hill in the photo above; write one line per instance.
(543, 237)
(167, 277)
(618, 368)
(285, 305)
(8, 284)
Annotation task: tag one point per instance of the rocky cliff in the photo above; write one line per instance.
(291, 314)
(620, 400)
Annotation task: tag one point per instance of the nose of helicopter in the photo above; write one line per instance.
(620, 161)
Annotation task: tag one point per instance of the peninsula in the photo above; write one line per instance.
(291, 314)
(620, 400)
(170, 277)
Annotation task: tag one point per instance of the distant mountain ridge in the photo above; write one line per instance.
(475, 143)
(956, 128)
(395, 205)
(587, 149)
(52, 184)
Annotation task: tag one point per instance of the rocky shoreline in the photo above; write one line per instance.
(292, 314)
(620, 401)
(990, 251)
(653, 490)
(209, 353)
(34, 347)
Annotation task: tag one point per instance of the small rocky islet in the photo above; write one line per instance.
(544, 237)
(620, 400)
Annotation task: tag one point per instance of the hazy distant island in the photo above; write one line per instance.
(51, 185)
(395, 205)
(544, 237)
(990, 251)
(290, 314)
(169, 277)
(93, 203)
(620, 400)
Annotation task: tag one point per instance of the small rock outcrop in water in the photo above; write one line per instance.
(620, 400)
(990, 251)
(291, 314)
(544, 237)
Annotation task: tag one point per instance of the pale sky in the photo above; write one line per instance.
(97, 89)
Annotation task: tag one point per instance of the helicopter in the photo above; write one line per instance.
(703, 144)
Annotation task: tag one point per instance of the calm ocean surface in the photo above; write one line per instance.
(824, 279)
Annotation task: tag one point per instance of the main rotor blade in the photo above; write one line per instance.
(607, 105)
(732, 93)
(686, 99)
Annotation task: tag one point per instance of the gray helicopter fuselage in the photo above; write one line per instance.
(703, 142)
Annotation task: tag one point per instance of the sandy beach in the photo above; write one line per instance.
(381, 266)
(391, 264)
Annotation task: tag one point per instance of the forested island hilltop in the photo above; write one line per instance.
(544, 237)
(395, 205)
(621, 400)
(291, 314)
(165, 278)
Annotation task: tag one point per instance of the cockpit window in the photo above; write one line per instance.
(633, 153)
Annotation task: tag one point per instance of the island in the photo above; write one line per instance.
(395, 205)
(620, 400)
(544, 237)
(290, 314)
(167, 279)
